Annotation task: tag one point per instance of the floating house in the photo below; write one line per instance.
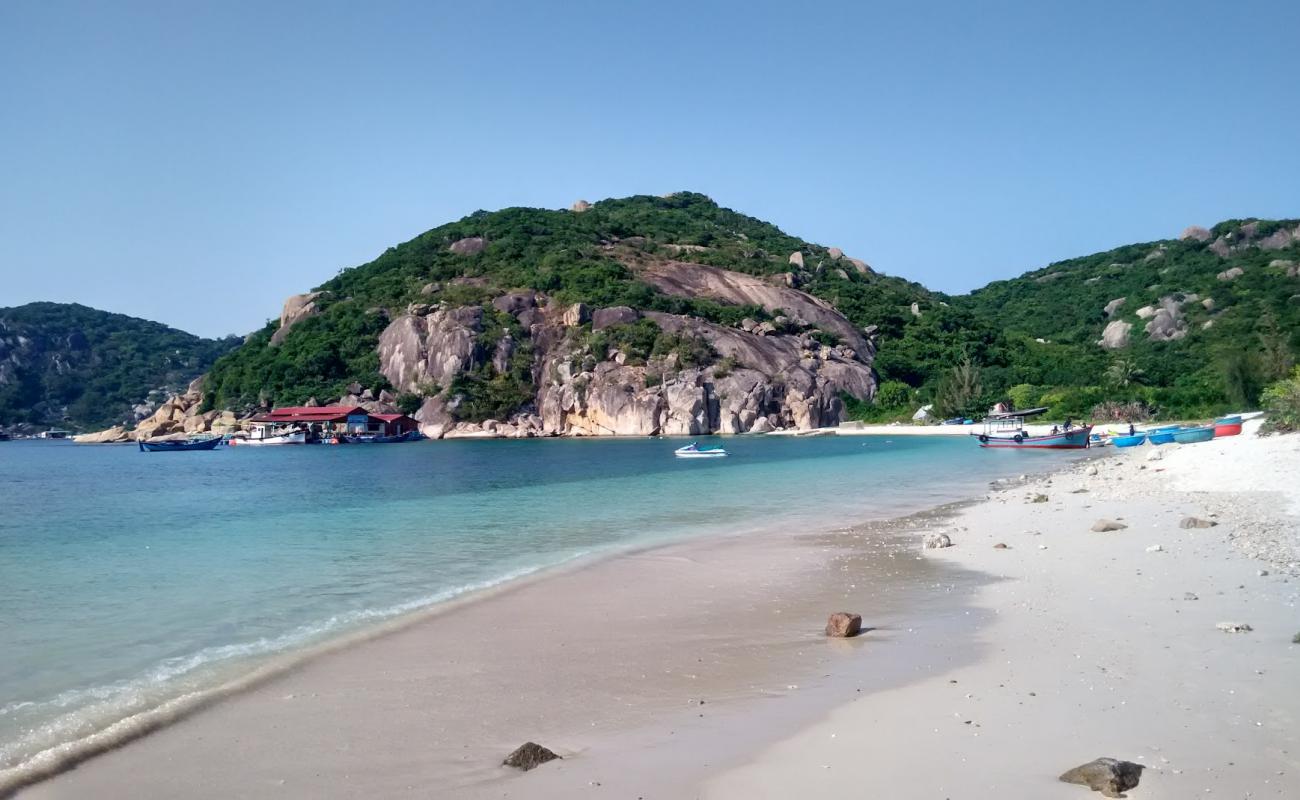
(323, 423)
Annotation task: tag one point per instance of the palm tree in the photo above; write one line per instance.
(1124, 373)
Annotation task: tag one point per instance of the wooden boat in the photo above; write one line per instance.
(1193, 435)
(693, 450)
(409, 436)
(1227, 426)
(176, 447)
(1128, 441)
(1008, 430)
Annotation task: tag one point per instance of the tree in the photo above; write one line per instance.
(1124, 373)
(959, 389)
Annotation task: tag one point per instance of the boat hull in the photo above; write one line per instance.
(413, 436)
(178, 447)
(1161, 437)
(1128, 441)
(298, 437)
(1073, 439)
(1194, 435)
(1227, 426)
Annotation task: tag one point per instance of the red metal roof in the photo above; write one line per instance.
(310, 414)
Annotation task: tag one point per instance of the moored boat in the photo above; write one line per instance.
(1007, 429)
(269, 438)
(1193, 435)
(177, 447)
(1227, 426)
(1128, 441)
(693, 450)
(410, 436)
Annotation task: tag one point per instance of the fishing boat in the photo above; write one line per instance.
(176, 447)
(1163, 434)
(693, 450)
(1007, 429)
(409, 436)
(1227, 426)
(1193, 435)
(1128, 441)
(270, 436)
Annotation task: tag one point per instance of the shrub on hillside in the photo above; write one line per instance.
(1282, 402)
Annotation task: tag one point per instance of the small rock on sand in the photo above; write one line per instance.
(1091, 470)
(1155, 548)
(1103, 525)
(1234, 627)
(843, 624)
(936, 541)
(528, 756)
(1038, 498)
(1110, 776)
(1001, 546)
(1190, 596)
(1196, 522)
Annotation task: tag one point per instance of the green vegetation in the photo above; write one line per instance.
(1282, 402)
(69, 365)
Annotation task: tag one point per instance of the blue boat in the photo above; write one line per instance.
(176, 447)
(409, 436)
(1192, 435)
(1128, 441)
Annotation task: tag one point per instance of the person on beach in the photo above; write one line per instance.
(1131, 429)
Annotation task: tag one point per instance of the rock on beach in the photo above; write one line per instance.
(844, 624)
(1110, 776)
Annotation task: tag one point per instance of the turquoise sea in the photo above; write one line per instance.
(129, 578)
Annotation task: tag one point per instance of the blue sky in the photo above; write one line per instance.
(196, 162)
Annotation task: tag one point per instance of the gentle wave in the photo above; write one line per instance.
(103, 718)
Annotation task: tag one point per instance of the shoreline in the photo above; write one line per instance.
(142, 729)
(777, 692)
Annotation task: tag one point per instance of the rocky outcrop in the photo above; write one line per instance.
(1113, 306)
(602, 318)
(696, 280)
(117, 433)
(579, 206)
(1195, 233)
(1167, 324)
(1116, 335)
(296, 308)
(415, 351)
(796, 259)
(470, 246)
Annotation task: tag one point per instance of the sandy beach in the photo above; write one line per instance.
(700, 669)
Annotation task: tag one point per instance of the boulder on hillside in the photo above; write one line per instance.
(1113, 306)
(796, 259)
(1116, 335)
(579, 206)
(515, 303)
(1231, 274)
(469, 246)
(576, 315)
(860, 265)
(1110, 776)
(617, 315)
(117, 433)
(296, 308)
(1280, 239)
(1195, 233)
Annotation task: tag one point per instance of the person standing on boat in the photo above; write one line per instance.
(1068, 423)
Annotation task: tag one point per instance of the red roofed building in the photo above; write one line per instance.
(327, 422)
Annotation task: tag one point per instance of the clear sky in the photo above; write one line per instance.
(196, 162)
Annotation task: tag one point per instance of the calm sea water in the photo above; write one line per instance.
(129, 578)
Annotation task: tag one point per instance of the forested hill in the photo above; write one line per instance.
(1187, 326)
(1196, 325)
(67, 365)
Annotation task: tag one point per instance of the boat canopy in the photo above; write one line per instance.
(1028, 412)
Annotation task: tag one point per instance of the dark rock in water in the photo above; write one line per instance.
(843, 624)
(1103, 525)
(1110, 776)
(1196, 522)
(530, 755)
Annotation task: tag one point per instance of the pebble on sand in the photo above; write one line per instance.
(1103, 525)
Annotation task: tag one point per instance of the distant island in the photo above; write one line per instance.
(648, 315)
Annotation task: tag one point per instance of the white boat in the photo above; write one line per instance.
(267, 436)
(693, 450)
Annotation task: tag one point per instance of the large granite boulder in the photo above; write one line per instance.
(1113, 306)
(1167, 324)
(1195, 233)
(432, 349)
(297, 308)
(617, 315)
(1116, 335)
(469, 246)
(117, 433)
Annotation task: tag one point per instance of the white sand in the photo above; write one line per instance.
(1095, 651)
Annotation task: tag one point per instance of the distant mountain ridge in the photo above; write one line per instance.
(68, 365)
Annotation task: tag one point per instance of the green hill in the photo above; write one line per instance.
(69, 365)
(1032, 339)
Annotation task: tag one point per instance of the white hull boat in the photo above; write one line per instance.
(296, 437)
(693, 450)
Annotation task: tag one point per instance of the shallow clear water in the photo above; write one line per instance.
(128, 578)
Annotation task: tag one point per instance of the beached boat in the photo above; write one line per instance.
(177, 447)
(1193, 435)
(1007, 429)
(1128, 441)
(410, 436)
(693, 450)
(1227, 426)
